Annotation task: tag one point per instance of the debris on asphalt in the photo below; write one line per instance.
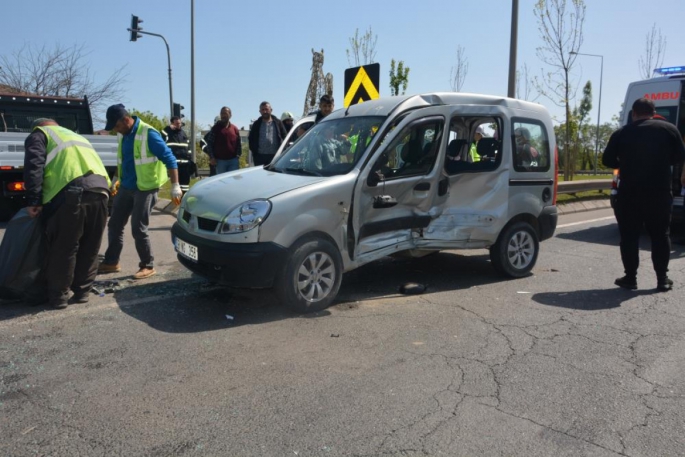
(105, 287)
(335, 335)
(523, 292)
(412, 288)
(229, 317)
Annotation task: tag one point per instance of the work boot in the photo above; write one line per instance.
(664, 284)
(105, 268)
(80, 297)
(59, 301)
(144, 272)
(627, 282)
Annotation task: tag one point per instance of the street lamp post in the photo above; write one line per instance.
(599, 103)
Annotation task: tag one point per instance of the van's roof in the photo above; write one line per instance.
(385, 105)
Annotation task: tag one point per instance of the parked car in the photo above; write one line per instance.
(386, 176)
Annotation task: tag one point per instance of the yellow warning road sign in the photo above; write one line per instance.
(362, 83)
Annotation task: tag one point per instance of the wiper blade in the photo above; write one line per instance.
(302, 171)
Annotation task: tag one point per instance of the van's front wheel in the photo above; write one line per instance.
(312, 276)
(516, 250)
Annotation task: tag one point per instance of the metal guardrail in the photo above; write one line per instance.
(565, 187)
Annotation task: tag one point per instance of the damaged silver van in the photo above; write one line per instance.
(411, 174)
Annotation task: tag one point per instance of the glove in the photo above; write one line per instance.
(114, 188)
(176, 193)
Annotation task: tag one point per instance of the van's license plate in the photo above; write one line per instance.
(186, 250)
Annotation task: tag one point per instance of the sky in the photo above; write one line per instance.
(253, 51)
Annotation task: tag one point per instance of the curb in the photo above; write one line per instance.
(165, 206)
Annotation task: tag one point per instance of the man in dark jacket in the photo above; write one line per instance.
(326, 107)
(266, 135)
(67, 184)
(223, 143)
(177, 140)
(645, 150)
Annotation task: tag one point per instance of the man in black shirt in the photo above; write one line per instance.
(645, 150)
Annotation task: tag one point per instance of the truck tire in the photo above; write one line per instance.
(312, 276)
(516, 250)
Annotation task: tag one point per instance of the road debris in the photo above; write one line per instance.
(412, 288)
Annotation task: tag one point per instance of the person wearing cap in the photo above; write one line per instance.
(145, 162)
(473, 150)
(266, 135)
(66, 184)
(288, 120)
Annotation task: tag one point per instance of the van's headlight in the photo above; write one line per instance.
(246, 216)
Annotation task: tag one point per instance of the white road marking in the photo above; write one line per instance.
(587, 222)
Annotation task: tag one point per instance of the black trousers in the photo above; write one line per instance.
(74, 234)
(652, 212)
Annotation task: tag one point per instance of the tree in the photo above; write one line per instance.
(655, 50)
(59, 71)
(523, 84)
(581, 113)
(398, 77)
(459, 71)
(562, 36)
(363, 48)
(151, 118)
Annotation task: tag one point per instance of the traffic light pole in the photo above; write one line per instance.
(168, 54)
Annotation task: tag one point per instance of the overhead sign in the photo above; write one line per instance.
(362, 84)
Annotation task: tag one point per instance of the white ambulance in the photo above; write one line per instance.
(666, 91)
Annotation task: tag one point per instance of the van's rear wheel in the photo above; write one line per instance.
(312, 276)
(516, 250)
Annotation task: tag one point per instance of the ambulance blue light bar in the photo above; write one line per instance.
(669, 71)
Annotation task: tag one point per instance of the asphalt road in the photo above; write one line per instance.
(560, 363)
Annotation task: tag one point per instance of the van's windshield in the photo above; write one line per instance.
(329, 148)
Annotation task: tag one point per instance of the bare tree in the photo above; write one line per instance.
(562, 36)
(460, 70)
(524, 83)
(59, 71)
(363, 48)
(655, 49)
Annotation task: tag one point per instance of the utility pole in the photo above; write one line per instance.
(512, 48)
(192, 81)
(136, 30)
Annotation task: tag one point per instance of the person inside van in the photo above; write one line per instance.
(473, 149)
(526, 155)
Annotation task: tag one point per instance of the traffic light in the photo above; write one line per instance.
(177, 110)
(135, 28)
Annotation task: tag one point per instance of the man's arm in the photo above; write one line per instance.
(160, 150)
(34, 164)
(610, 156)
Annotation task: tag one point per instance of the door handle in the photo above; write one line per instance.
(423, 186)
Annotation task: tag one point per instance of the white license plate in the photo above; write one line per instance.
(186, 250)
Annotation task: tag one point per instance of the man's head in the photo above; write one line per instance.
(265, 110)
(522, 135)
(643, 108)
(118, 119)
(42, 122)
(288, 119)
(225, 114)
(175, 123)
(326, 104)
(480, 133)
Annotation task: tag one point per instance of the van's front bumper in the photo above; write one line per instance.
(251, 265)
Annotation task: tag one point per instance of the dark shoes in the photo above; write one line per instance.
(626, 282)
(664, 284)
(80, 297)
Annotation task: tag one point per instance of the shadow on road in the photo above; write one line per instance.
(590, 300)
(605, 234)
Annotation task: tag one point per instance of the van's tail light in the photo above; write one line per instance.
(17, 186)
(556, 174)
(5, 167)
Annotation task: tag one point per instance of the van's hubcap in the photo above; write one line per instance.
(521, 250)
(316, 277)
